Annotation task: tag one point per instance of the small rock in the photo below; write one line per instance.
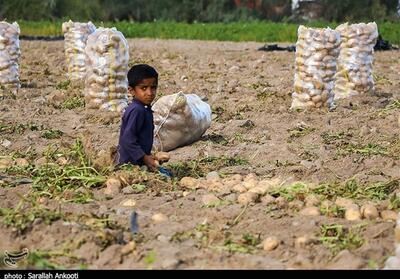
(231, 198)
(307, 164)
(364, 131)
(37, 221)
(163, 238)
(271, 243)
(234, 68)
(247, 124)
(128, 248)
(41, 161)
(159, 218)
(185, 193)
(210, 199)
(128, 190)
(129, 203)
(170, 263)
(393, 263)
(388, 215)
(346, 260)
(21, 162)
(281, 202)
(312, 200)
(352, 213)
(113, 186)
(213, 176)
(310, 211)
(189, 182)
(6, 143)
(369, 211)
(296, 205)
(267, 200)
(247, 198)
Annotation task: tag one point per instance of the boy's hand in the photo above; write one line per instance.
(150, 162)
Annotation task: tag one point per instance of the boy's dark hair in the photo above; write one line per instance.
(140, 72)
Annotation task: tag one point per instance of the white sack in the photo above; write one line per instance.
(179, 119)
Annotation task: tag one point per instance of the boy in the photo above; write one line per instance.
(137, 128)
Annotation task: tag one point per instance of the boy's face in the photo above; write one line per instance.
(145, 91)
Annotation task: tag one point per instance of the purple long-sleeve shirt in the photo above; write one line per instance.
(136, 135)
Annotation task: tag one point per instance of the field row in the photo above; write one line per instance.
(239, 32)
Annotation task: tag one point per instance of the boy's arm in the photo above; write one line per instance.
(129, 139)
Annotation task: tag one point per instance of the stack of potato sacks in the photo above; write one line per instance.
(9, 56)
(75, 37)
(354, 74)
(316, 56)
(106, 83)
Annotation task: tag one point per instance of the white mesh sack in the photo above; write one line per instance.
(9, 57)
(179, 119)
(354, 75)
(75, 37)
(106, 82)
(316, 55)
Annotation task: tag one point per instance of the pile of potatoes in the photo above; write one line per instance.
(354, 73)
(9, 57)
(75, 37)
(106, 83)
(316, 57)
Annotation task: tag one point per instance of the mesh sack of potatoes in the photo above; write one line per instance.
(75, 37)
(179, 119)
(106, 83)
(316, 55)
(9, 57)
(354, 74)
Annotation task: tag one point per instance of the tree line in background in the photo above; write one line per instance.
(194, 10)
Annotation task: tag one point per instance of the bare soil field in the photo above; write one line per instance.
(272, 188)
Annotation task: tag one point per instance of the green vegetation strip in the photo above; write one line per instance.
(258, 31)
